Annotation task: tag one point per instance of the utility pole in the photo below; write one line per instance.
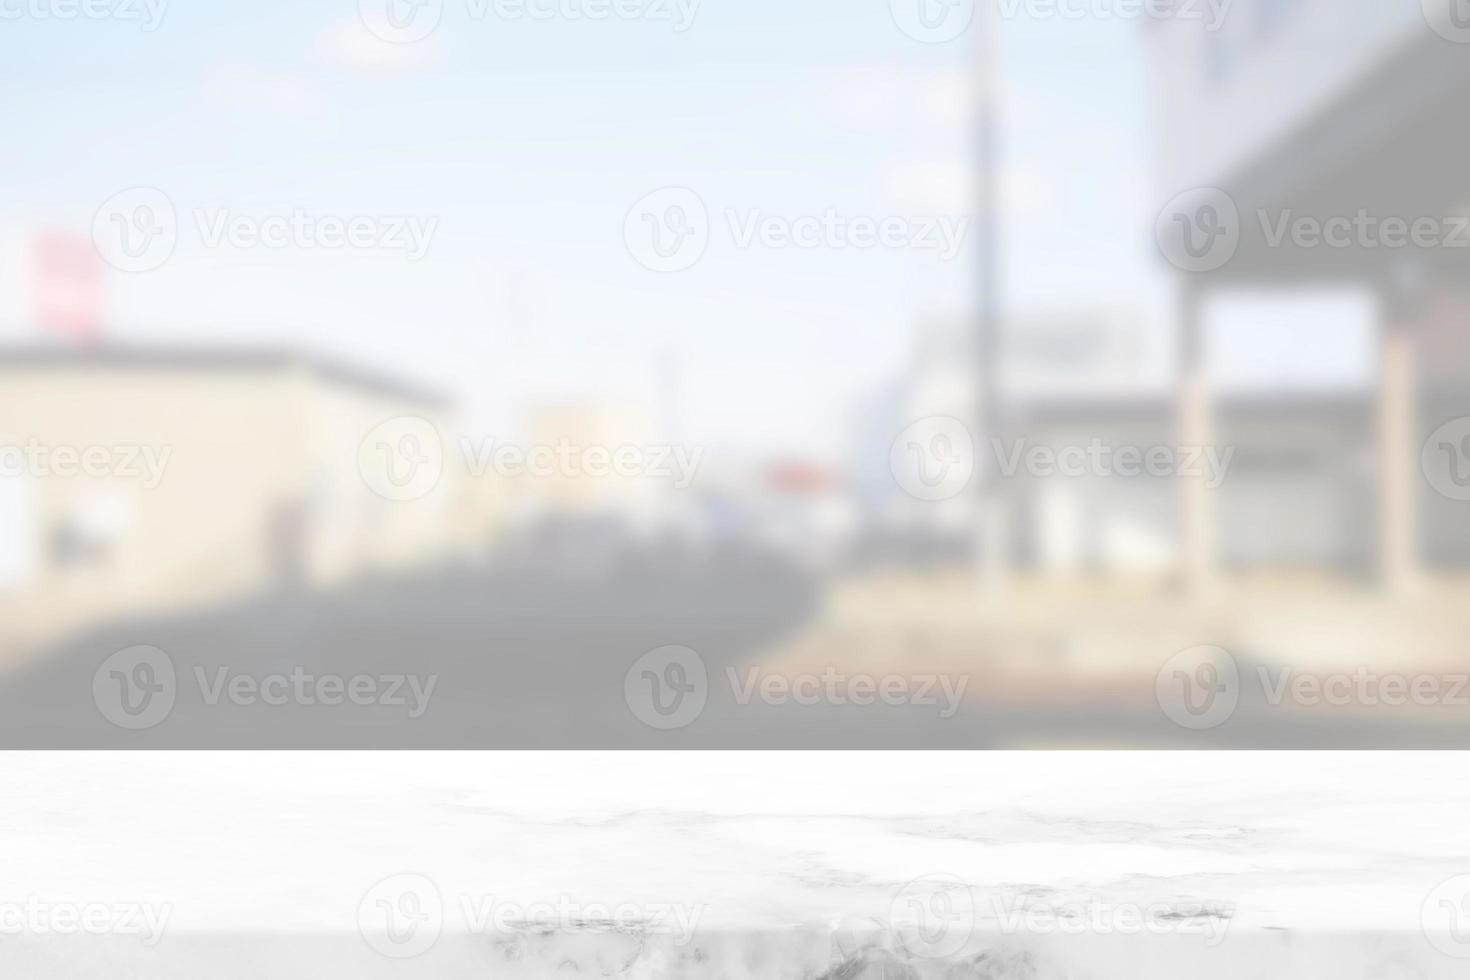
(994, 524)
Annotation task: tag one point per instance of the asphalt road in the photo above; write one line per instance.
(539, 656)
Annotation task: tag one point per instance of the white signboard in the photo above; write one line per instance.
(18, 544)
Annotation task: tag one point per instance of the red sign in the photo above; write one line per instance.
(66, 280)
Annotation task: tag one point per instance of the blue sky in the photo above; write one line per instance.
(528, 142)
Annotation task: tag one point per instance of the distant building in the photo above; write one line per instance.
(1324, 109)
(806, 509)
(572, 463)
(142, 479)
(938, 380)
(1097, 351)
(1294, 492)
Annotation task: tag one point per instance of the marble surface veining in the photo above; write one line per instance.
(802, 865)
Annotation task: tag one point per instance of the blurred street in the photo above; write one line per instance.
(535, 657)
(524, 657)
(897, 374)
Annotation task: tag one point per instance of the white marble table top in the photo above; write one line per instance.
(738, 864)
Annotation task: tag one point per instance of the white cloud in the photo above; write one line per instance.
(351, 46)
(886, 98)
(933, 186)
(948, 185)
(242, 88)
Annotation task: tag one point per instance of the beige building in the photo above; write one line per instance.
(140, 480)
(558, 477)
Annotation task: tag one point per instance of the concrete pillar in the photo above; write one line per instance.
(995, 539)
(994, 508)
(1198, 549)
(1398, 457)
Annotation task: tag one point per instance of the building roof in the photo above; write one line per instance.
(1341, 404)
(176, 357)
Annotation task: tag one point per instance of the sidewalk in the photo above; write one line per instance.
(1057, 643)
